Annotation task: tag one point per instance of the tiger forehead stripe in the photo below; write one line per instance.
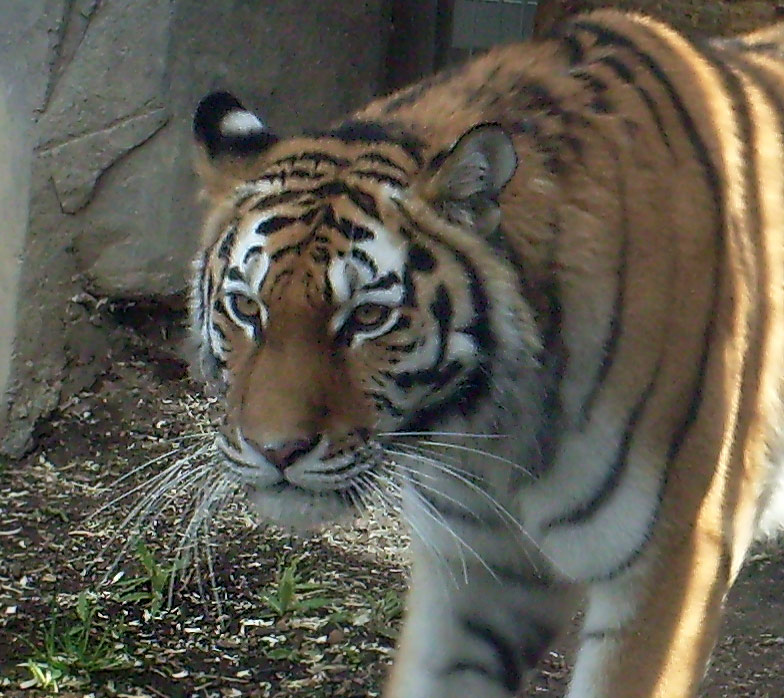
(367, 132)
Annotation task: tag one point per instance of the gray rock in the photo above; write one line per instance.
(76, 165)
(106, 89)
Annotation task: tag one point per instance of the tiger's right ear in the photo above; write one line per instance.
(229, 140)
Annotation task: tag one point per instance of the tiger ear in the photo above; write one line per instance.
(229, 140)
(465, 181)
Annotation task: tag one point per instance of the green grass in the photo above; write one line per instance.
(75, 646)
(149, 587)
(387, 613)
(291, 596)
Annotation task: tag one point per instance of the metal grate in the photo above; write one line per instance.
(478, 24)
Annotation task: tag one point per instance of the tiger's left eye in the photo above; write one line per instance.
(243, 305)
(369, 316)
(246, 306)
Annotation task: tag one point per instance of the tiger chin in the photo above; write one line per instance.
(537, 302)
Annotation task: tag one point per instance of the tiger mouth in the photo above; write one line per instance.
(284, 485)
(291, 506)
(251, 476)
(305, 495)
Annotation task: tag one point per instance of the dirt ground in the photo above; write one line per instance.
(234, 627)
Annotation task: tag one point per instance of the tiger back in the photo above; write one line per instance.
(536, 302)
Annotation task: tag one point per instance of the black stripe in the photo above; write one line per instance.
(420, 258)
(409, 299)
(252, 252)
(296, 248)
(305, 174)
(467, 394)
(759, 316)
(235, 274)
(544, 301)
(769, 84)
(314, 156)
(348, 229)
(572, 48)
(203, 289)
(272, 225)
(364, 258)
(509, 673)
(364, 202)
(329, 293)
(375, 132)
(275, 199)
(740, 109)
(437, 376)
(442, 311)
(402, 323)
(382, 160)
(624, 73)
(414, 92)
(381, 177)
(597, 86)
(384, 282)
(607, 37)
(224, 251)
(553, 358)
(329, 190)
(772, 88)
(582, 513)
(384, 404)
(749, 159)
(612, 340)
(538, 98)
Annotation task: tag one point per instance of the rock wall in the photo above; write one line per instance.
(101, 94)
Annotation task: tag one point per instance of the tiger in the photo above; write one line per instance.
(536, 302)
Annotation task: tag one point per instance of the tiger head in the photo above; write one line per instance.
(345, 293)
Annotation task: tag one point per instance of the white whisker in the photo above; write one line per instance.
(461, 476)
(464, 435)
(438, 554)
(480, 452)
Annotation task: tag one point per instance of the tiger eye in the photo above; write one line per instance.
(370, 315)
(245, 305)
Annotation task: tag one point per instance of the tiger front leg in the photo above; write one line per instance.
(648, 632)
(472, 630)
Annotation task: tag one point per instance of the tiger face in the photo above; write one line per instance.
(331, 311)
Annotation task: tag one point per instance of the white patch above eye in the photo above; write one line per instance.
(461, 347)
(240, 123)
(339, 279)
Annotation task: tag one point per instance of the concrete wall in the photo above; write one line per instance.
(23, 42)
(100, 94)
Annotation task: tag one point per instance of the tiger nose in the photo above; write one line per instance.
(284, 454)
